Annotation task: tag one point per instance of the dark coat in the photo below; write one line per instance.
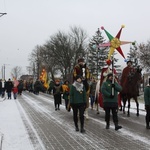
(57, 91)
(9, 86)
(147, 95)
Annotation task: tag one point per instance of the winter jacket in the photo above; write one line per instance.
(15, 90)
(107, 90)
(77, 97)
(147, 95)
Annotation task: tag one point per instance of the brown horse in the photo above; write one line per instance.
(131, 90)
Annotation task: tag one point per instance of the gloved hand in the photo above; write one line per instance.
(111, 96)
(113, 85)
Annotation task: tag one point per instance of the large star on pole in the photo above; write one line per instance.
(114, 43)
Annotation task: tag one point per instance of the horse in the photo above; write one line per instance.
(131, 89)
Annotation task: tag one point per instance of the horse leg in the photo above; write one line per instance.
(128, 108)
(124, 104)
(137, 106)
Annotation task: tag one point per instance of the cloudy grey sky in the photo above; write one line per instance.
(31, 22)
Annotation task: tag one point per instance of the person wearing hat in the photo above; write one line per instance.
(57, 91)
(78, 102)
(82, 70)
(125, 73)
(9, 86)
(110, 100)
(147, 104)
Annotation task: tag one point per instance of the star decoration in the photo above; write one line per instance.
(114, 43)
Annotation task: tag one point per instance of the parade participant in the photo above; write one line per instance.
(82, 70)
(9, 86)
(57, 91)
(110, 101)
(92, 91)
(147, 104)
(126, 72)
(2, 87)
(20, 87)
(78, 102)
(66, 90)
(105, 71)
(15, 91)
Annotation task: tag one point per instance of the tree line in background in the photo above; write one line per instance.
(59, 54)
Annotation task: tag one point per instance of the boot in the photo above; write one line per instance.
(76, 128)
(147, 127)
(117, 127)
(107, 125)
(147, 123)
(82, 130)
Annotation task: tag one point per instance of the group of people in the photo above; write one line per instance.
(9, 87)
(78, 93)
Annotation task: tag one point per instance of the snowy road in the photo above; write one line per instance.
(48, 129)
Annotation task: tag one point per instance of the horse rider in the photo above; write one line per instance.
(82, 70)
(128, 70)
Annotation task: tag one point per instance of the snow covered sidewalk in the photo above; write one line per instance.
(13, 135)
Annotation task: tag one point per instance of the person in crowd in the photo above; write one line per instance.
(15, 92)
(78, 102)
(20, 87)
(66, 90)
(51, 85)
(147, 104)
(82, 70)
(92, 91)
(110, 100)
(57, 91)
(9, 86)
(2, 87)
(37, 86)
(30, 86)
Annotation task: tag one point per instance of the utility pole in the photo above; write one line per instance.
(3, 70)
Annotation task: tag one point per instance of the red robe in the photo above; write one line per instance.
(125, 73)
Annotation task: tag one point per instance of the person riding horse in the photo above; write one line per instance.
(130, 81)
(127, 71)
(82, 70)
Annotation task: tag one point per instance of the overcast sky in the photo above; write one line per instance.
(31, 22)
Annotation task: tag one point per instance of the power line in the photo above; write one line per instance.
(1, 14)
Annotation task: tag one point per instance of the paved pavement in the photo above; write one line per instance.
(54, 130)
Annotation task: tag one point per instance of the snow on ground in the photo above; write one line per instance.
(13, 134)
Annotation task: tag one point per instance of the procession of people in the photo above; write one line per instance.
(81, 93)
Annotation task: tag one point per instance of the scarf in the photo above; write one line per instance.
(78, 86)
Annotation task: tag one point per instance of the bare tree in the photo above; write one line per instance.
(60, 52)
(16, 71)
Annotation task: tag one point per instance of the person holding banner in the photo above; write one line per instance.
(110, 100)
